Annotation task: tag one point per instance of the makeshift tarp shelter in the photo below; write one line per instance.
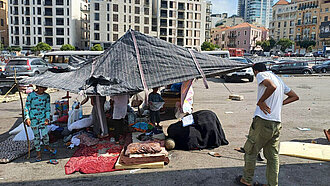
(134, 63)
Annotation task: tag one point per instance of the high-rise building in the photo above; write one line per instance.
(208, 21)
(109, 20)
(241, 8)
(283, 23)
(256, 11)
(181, 22)
(55, 22)
(3, 23)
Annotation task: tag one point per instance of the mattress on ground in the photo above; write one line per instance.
(305, 150)
(10, 150)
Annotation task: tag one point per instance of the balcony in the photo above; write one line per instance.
(48, 13)
(48, 3)
(48, 23)
(231, 45)
(48, 33)
(27, 2)
(85, 9)
(180, 34)
(232, 36)
(16, 32)
(28, 33)
(181, 7)
(27, 12)
(15, 12)
(86, 20)
(15, 2)
(180, 16)
(27, 23)
(16, 23)
(163, 4)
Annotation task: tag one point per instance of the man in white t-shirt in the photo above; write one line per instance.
(265, 129)
(119, 112)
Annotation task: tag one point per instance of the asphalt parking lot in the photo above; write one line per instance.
(197, 167)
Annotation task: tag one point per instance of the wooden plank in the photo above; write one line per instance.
(305, 150)
(156, 165)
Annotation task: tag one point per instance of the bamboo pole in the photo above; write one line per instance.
(22, 107)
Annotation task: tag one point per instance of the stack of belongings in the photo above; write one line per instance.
(147, 149)
(61, 110)
(149, 154)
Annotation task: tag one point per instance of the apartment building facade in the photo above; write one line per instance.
(324, 25)
(256, 11)
(307, 23)
(284, 19)
(55, 22)
(181, 22)
(3, 22)
(109, 20)
(243, 36)
(231, 21)
(216, 18)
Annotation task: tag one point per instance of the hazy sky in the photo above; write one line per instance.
(229, 6)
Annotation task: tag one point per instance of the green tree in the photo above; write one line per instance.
(14, 49)
(97, 47)
(272, 42)
(306, 44)
(285, 43)
(41, 47)
(208, 46)
(67, 47)
(265, 45)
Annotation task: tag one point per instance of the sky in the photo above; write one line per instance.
(226, 6)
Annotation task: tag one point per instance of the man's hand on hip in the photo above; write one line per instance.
(264, 107)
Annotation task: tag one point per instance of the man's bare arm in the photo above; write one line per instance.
(292, 97)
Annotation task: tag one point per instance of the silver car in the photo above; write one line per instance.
(25, 67)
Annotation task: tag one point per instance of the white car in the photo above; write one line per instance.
(309, 55)
(246, 73)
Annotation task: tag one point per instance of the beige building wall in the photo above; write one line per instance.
(307, 23)
(4, 22)
(109, 20)
(324, 17)
(283, 22)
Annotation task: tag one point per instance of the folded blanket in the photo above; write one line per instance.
(142, 148)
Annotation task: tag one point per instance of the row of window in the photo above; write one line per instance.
(115, 29)
(38, 21)
(47, 11)
(38, 30)
(27, 40)
(38, 2)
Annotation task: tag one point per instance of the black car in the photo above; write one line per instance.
(322, 67)
(268, 64)
(292, 68)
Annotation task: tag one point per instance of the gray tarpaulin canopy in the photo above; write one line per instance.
(134, 63)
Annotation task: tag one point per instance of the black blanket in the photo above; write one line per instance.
(206, 132)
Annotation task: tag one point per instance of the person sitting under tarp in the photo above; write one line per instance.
(156, 102)
(99, 121)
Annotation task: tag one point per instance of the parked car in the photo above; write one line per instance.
(2, 68)
(25, 66)
(269, 64)
(309, 55)
(322, 67)
(318, 54)
(292, 68)
(246, 73)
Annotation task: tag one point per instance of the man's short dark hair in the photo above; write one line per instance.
(260, 67)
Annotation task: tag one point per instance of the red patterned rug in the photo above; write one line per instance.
(101, 157)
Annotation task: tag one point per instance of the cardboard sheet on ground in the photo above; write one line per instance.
(305, 150)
